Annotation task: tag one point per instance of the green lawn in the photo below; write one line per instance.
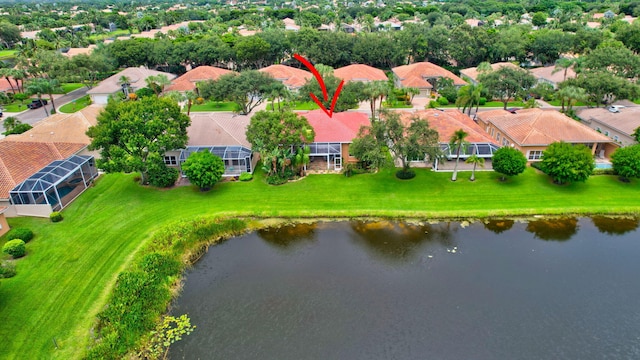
(71, 266)
(559, 103)
(215, 106)
(115, 34)
(297, 105)
(69, 87)
(5, 54)
(16, 106)
(76, 105)
(396, 105)
(490, 104)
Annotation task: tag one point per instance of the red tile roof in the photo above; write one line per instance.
(447, 122)
(19, 160)
(532, 127)
(289, 76)
(360, 72)
(425, 70)
(342, 127)
(188, 80)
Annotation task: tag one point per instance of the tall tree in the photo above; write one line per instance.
(135, 135)
(203, 169)
(374, 91)
(40, 86)
(476, 161)
(277, 135)
(468, 96)
(563, 64)
(248, 89)
(507, 83)
(457, 141)
(626, 162)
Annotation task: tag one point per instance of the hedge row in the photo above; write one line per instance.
(142, 293)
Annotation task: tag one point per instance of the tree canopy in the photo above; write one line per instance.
(203, 169)
(508, 162)
(566, 162)
(248, 89)
(626, 162)
(507, 83)
(135, 135)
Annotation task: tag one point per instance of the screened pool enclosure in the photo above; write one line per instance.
(57, 184)
(237, 159)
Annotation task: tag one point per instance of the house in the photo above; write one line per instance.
(222, 134)
(4, 225)
(532, 130)
(111, 85)
(71, 52)
(290, 24)
(333, 137)
(552, 75)
(423, 75)
(189, 80)
(360, 72)
(292, 78)
(45, 168)
(471, 74)
(619, 126)
(447, 122)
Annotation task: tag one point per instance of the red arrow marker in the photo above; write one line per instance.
(315, 73)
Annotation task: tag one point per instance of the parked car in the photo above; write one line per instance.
(616, 108)
(37, 103)
(513, 110)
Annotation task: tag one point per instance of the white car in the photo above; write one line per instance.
(616, 108)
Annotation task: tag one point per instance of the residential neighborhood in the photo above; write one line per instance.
(311, 179)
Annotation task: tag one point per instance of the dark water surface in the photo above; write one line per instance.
(558, 289)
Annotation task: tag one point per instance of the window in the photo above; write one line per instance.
(615, 137)
(606, 133)
(598, 129)
(535, 155)
(498, 137)
(505, 142)
(170, 160)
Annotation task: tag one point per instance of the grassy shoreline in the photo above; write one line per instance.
(71, 267)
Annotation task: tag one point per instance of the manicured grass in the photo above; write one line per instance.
(16, 106)
(76, 105)
(215, 106)
(5, 54)
(297, 105)
(71, 266)
(115, 34)
(559, 103)
(396, 105)
(69, 87)
(490, 104)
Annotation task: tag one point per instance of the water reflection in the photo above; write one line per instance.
(559, 229)
(400, 241)
(614, 225)
(498, 226)
(288, 235)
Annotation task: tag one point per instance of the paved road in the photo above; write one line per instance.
(35, 115)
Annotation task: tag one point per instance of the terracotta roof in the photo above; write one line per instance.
(529, 127)
(342, 127)
(5, 86)
(62, 128)
(136, 75)
(360, 72)
(449, 121)
(208, 129)
(77, 51)
(19, 160)
(417, 82)
(188, 80)
(289, 76)
(626, 121)
(546, 73)
(472, 73)
(425, 70)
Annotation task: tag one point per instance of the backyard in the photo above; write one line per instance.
(71, 266)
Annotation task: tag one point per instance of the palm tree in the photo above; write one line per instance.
(41, 86)
(468, 96)
(563, 64)
(125, 82)
(374, 90)
(570, 95)
(457, 140)
(475, 160)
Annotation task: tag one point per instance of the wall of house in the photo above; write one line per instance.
(4, 226)
(33, 210)
(616, 135)
(348, 158)
(99, 99)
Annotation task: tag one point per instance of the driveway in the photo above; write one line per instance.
(35, 115)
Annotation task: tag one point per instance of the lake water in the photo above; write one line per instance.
(557, 289)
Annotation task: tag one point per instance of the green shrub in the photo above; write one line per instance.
(163, 177)
(55, 216)
(482, 101)
(245, 176)
(18, 129)
(405, 174)
(432, 104)
(15, 248)
(443, 100)
(7, 270)
(23, 234)
(160, 265)
(603, 172)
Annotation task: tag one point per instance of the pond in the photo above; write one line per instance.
(546, 289)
